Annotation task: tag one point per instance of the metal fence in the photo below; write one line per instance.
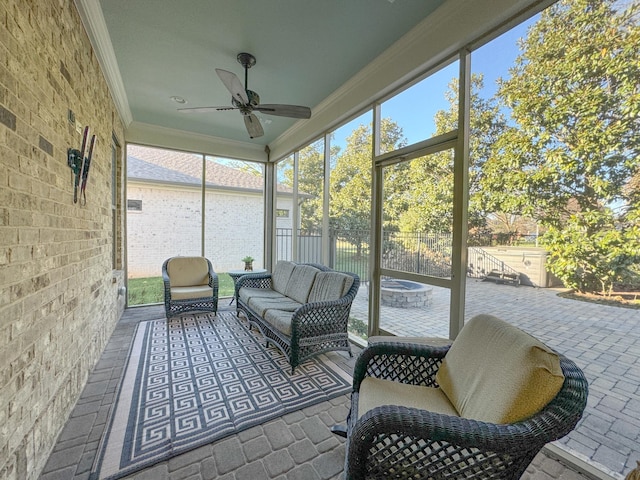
(428, 254)
(480, 264)
(502, 239)
(416, 252)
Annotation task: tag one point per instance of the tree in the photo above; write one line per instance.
(350, 205)
(430, 206)
(310, 186)
(574, 96)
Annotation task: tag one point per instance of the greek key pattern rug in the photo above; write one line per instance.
(198, 378)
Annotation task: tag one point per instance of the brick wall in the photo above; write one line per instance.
(169, 224)
(58, 290)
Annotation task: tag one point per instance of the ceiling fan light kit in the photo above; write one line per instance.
(247, 101)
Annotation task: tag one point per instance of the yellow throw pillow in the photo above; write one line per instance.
(495, 372)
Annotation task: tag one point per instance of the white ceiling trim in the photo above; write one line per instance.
(96, 28)
(153, 135)
(451, 27)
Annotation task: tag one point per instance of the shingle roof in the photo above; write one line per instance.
(152, 164)
(141, 170)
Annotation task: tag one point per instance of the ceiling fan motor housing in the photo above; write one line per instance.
(254, 101)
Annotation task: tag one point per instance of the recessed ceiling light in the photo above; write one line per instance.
(177, 99)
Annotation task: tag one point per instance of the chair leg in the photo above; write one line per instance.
(339, 430)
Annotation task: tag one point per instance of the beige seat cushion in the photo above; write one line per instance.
(188, 271)
(329, 286)
(260, 304)
(247, 293)
(187, 293)
(300, 282)
(495, 372)
(279, 319)
(375, 392)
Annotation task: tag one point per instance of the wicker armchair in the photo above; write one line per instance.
(394, 441)
(190, 284)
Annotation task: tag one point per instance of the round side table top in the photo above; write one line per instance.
(239, 273)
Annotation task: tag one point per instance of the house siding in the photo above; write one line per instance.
(234, 226)
(59, 294)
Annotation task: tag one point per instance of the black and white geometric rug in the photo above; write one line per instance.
(198, 378)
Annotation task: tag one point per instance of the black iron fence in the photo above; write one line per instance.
(428, 254)
(416, 252)
(488, 239)
(480, 264)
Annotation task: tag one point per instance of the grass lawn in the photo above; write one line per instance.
(147, 290)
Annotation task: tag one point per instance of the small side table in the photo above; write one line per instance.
(236, 274)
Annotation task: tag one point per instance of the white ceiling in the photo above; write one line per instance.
(306, 51)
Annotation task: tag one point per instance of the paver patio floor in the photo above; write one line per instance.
(604, 341)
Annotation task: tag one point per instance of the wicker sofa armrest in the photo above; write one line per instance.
(415, 364)
(213, 280)
(254, 280)
(325, 318)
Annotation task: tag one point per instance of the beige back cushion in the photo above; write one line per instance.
(281, 274)
(495, 372)
(188, 271)
(330, 286)
(300, 282)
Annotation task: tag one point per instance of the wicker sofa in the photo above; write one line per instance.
(302, 309)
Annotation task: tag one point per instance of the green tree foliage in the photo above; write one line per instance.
(575, 98)
(350, 205)
(310, 186)
(430, 206)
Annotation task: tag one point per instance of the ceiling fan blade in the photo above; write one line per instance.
(234, 85)
(205, 109)
(253, 126)
(293, 111)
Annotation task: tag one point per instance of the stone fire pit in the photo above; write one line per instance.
(404, 294)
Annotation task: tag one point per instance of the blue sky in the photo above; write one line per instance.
(415, 108)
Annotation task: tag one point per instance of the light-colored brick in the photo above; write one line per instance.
(58, 302)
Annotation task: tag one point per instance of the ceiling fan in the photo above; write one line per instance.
(248, 101)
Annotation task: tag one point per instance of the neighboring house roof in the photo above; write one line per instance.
(140, 170)
(167, 166)
(146, 164)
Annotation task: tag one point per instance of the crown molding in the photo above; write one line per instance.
(154, 136)
(96, 28)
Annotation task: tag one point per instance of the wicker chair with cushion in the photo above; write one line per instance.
(482, 407)
(190, 284)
